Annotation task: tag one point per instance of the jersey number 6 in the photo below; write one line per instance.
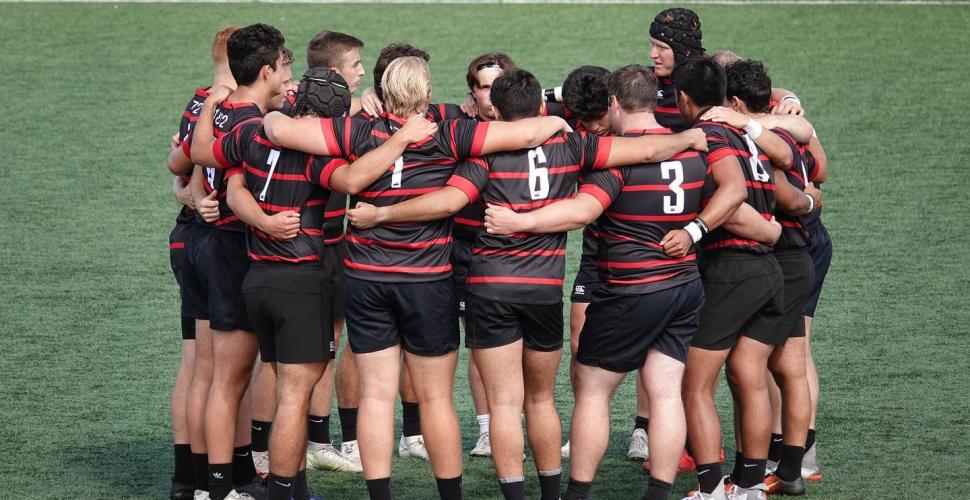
(538, 176)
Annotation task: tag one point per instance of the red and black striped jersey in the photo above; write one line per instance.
(333, 221)
(228, 116)
(724, 141)
(666, 112)
(526, 268)
(793, 233)
(189, 116)
(410, 252)
(280, 180)
(809, 169)
(642, 203)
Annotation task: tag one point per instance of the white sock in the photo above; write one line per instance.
(483, 421)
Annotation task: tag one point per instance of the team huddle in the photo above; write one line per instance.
(305, 210)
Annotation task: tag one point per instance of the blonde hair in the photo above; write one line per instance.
(406, 86)
(219, 55)
(725, 58)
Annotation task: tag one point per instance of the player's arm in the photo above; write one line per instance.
(302, 134)
(777, 150)
(284, 225)
(203, 138)
(797, 126)
(748, 223)
(558, 217)
(178, 163)
(821, 169)
(183, 193)
(653, 148)
(205, 204)
(353, 178)
(435, 205)
(788, 102)
(790, 199)
(520, 134)
(729, 195)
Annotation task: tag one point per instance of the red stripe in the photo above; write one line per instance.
(520, 253)
(760, 185)
(732, 242)
(666, 109)
(468, 222)
(277, 258)
(530, 205)
(720, 154)
(397, 269)
(791, 224)
(347, 124)
(332, 241)
(514, 279)
(276, 176)
(685, 154)
(326, 126)
(315, 202)
(466, 186)
(652, 218)
(641, 281)
(398, 192)
(597, 192)
(335, 213)
(226, 220)
(265, 142)
(478, 141)
(403, 245)
(644, 263)
(179, 245)
(277, 208)
(603, 147)
(662, 187)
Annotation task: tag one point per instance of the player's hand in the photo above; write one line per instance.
(501, 220)
(565, 126)
(721, 114)
(370, 103)
(470, 107)
(282, 226)
(676, 243)
(364, 215)
(788, 107)
(417, 129)
(208, 207)
(217, 94)
(697, 138)
(815, 193)
(185, 198)
(776, 231)
(174, 141)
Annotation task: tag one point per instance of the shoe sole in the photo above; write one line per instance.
(637, 456)
(479, 454)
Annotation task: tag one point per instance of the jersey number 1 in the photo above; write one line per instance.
(538, 176)
(397, 173)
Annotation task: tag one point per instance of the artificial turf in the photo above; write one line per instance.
(89, 310)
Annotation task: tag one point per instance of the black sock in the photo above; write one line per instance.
(641, 423)
(279, 487)
(412, 419)
(379, 489)
(243, 468)
(577, 490)
(220, 480)
(318, 429)
(774, 450)
(200, 466)
(260, 435)
(348, 424)
(811, 439)
(790, 466)
(549, 484)
(736, 471)
(184, 473)
(709, 476)
(301, 489)
(752, 471)
(513, 488)
(657, 489)
(448, 489)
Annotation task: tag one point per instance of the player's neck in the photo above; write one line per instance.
(223, 77)
(638, 121)
(250, 93)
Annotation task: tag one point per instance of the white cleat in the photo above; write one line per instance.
(564, 451)
(412, 447)
(756, 492)
(350, 450)
(200, 495)
(639, 447)
(811, 470)
(261, 463)
(719, 493)
(235, 495)
(483, 448)
(326, 457)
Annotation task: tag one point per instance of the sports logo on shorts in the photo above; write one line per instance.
(461, 306)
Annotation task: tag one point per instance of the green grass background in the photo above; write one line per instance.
(88, 307)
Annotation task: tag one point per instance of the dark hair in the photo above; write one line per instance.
(702, 80)
(322, 92)
(390, 53)
(251, 48)
(584, 92)
(635, 88)
(493, 60)
(517, 94)
(328, 47)
(749, 81)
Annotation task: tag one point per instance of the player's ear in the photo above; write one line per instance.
(737, 104)
(614, 102)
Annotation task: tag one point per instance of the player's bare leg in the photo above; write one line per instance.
(433, 378)
(746, 368)
(590, 432)
(639, 444)
(703, 426)
(577, 319)
(379, 377)
(542, 419)
(661, 375)
(412, 443)
(811, 373)
(288, 442)
(198, 394)
(480, 402)
(348, 401)
(787, 364)
(501, 369)
(321, 454)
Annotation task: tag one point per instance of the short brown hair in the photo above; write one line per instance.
(219, 55)
(635, 88)
(494, 59)
(725, 58)
(407, 85)
(328, 47)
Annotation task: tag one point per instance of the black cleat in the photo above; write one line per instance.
(182, 491)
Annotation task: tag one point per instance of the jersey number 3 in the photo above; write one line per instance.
(675, 170)
(538, 176)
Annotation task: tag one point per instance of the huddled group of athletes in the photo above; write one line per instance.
(696, 184)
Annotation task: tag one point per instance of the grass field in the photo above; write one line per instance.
(88, 307)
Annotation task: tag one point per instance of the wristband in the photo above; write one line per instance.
(811, 203)
(703, 224)
(694, 231)
(791, 97)
(754, 129)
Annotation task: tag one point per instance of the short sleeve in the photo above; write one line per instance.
(462, 138)
(593, 151)
(319, 169)
(604, 185)
(470, 177)
(347, 137)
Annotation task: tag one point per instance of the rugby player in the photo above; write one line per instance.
(515, 309)
(397, 283)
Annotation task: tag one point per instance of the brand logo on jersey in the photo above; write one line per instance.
(660, 94)
(580, 290)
